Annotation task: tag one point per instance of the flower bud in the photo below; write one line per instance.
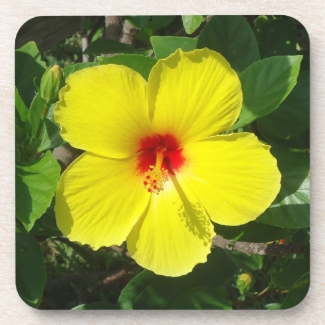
(51, 83)
(244, 282)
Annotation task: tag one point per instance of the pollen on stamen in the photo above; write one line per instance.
(156, 179)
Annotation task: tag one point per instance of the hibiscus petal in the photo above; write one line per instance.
(103, 110)
(234, 176)
(193, 95)
(174, 234)
(99, 200)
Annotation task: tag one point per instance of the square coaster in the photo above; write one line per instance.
(162, 162)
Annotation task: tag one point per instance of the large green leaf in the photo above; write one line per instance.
(204, 298)
(277, 37)
(28, 66)
(253, 232)
(76, 67)
(265, 85)
(30, 272)
(50, 133)
(107, 46)
(150, 291)
(246, 262)
(300, 142)
(133, 289)
(35, 186)
(192, 23)
(291, 118)
(163, 46)
(298, 292)
(21, 111)
(141, 64)
(37, 109)
(291, 273)
(291, 207)
(233, 38)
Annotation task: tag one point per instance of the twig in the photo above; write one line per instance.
(273, 249)
(110, 279)
(84, 41)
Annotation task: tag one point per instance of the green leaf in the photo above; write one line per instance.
(28, 66)
(150, 291)
(146, 32)
(48, 217)
(260, 20)
(76, 67)
(96, 305)
(35, 186)
(21, 111)
(50, 133)
(233, 38)
(300, 142)
(291, 118)
(273, 306)
(298, 292)
(132, 290)
(102, 46)
(39, 228)
(163, 46)
(30, 272)
(291, 207)
(246, 262)
(292, 272)
(204, 298)
(141, 64)
(37, 109)
(138, 21)
(162, 21)
(192, 23)
(277, 37)
(265, 85)
(253, 232)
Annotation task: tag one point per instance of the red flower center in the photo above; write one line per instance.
(160, 156)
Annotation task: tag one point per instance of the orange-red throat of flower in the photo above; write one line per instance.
(159, 157)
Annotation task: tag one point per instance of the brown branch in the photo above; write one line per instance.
(128, 35)
(273, 249)
(92, 291)
(113, 27)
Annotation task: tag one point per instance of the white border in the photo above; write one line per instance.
(14, 13)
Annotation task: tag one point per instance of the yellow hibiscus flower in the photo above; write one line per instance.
(154, 172)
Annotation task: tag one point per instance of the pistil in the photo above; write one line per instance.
(156, 176)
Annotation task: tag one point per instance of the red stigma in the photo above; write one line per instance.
(173, 158)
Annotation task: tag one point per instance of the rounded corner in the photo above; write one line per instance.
(23, 25)
(302, 295)
(304, 27)
(26, 302)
